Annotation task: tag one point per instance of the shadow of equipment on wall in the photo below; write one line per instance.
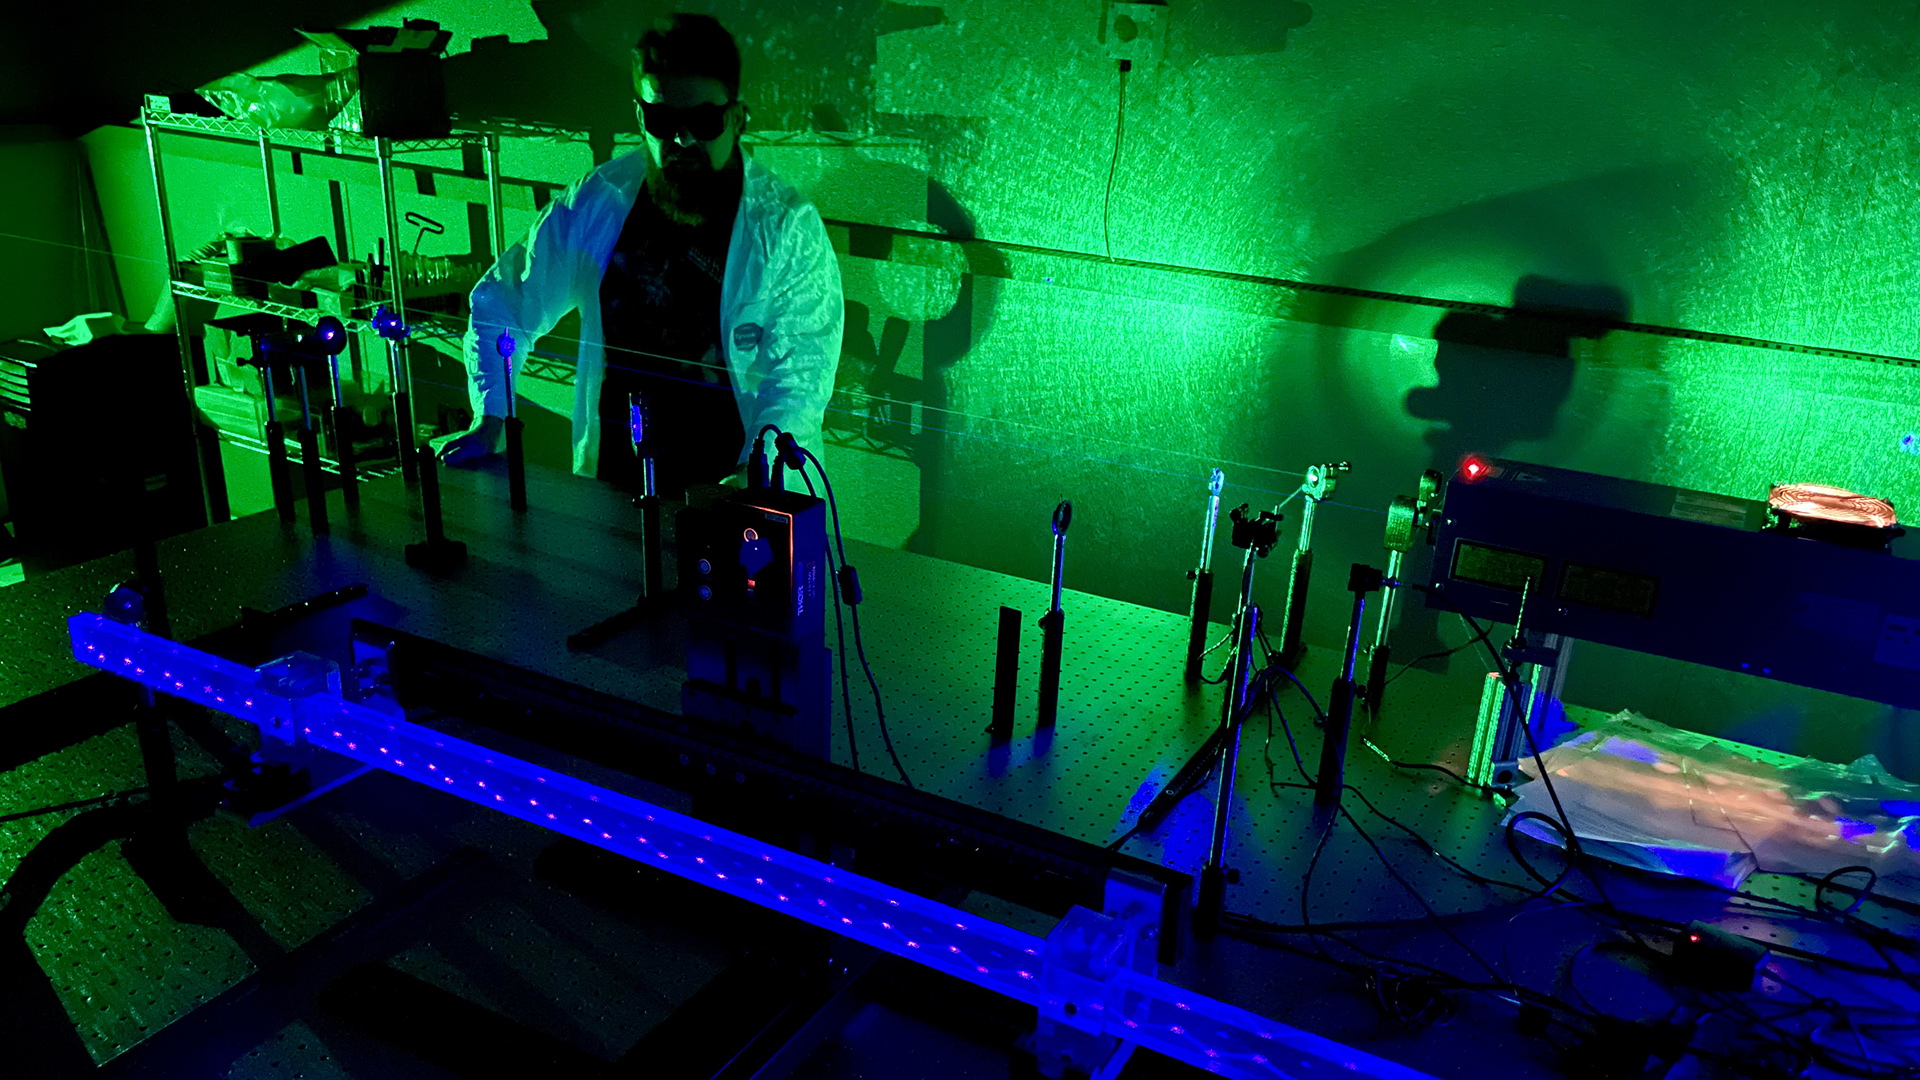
(1205, 28)
(1504, 377)
(1503, 380)
(873, 402)
(565, 80)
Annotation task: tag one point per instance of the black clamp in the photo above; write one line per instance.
(1260, 534)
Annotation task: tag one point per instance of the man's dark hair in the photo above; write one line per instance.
(687, 45)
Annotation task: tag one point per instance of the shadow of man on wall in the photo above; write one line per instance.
(1503, 378)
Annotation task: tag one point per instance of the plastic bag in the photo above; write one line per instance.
(1644, 794)
(84, 328)
(303, 102)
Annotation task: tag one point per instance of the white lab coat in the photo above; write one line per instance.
(781, 312)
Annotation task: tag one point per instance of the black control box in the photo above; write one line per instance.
(753, 584)
(756, 560)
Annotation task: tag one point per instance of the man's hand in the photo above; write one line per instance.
(466, 450)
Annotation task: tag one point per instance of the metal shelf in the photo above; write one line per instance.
(336, 140)
(157, 116)
(191, 291)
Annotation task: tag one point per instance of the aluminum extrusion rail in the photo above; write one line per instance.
(296, 704)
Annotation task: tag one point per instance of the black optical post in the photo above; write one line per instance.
(388, 325)
(1053, 623)
(654, 596)
(1257, 536)
(1361, 580)
(279, 475)
(1405, 518)
(316, 477)
(1319, 483)
(1202, 578)
(439, 554)
(330, 340)
(516, 460)
(653, 587)
(259, 328)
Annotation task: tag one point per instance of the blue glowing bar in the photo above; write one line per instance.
(1211, 1035)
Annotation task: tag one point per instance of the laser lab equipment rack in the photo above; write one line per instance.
(156, 116)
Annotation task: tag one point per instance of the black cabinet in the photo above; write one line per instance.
(96, 445)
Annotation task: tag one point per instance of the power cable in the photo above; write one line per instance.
(1119, 131)
(853, 605)
(840, 634)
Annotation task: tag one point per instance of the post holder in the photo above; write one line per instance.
(1320, 483)
(1406, 517)
(387, 324)
(1201, 604)
(1361, 580)
(654, 595)
(516, 457)
(310, 467)
(1053, 623)
(438, 555)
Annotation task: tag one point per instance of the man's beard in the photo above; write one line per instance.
(690, 191)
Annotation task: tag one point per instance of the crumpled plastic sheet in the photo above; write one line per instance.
(300, 102)
(1644, 794)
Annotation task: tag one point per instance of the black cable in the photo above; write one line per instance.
(75, 805)
(1404, 668)
(833, 507)
(1252, 929)
(1252, 924)
(1273, 710)
(1313, 933)
(1306, 891)
(1272, 652)
(1551, 887)
(1548, 888)
(1421, 766)
(1119, 131)
(1428, 767)
(1826, 882)
(1432, 915)
(1512, 684)
(840, 634)
(1273, 703)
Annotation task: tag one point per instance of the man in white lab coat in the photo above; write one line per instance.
(705, 284)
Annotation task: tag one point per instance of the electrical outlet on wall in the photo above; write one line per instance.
(1134, 31)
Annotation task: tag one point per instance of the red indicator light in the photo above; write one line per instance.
(1473, 467)
(1693, 938)
(749, 583)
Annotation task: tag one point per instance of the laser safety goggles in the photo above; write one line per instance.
(704, 122)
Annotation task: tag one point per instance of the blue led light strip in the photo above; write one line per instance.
(1210, 1034)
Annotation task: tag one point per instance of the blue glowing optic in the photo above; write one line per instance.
(386, 323)
(637, 420)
